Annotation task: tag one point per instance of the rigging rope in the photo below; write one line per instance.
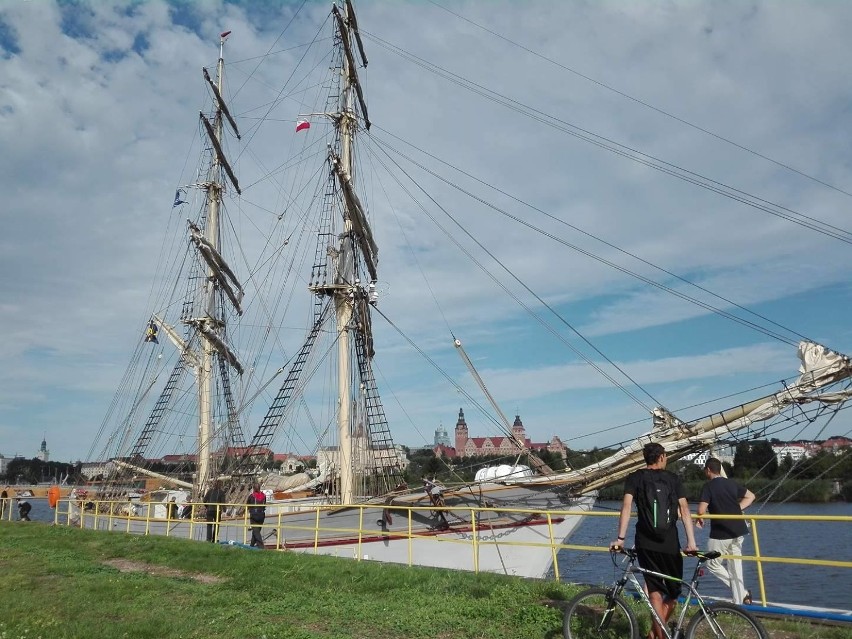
(505, 289)
(642, 102)
(625, 151)
(613, 265)
(583, 232)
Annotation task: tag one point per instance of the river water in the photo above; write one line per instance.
(785, 583)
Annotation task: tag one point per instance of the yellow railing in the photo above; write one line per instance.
(107, 515)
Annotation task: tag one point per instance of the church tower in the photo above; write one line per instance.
(461, 433)
(43, 453)
(518, 430)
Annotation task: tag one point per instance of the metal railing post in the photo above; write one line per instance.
(475, 542)
(552, 547)
(410, 539)
(360, 531)
(759, 562)
(316, 531)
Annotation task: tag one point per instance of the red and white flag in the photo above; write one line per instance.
(301, 125)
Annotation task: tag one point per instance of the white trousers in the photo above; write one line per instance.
(729, 571)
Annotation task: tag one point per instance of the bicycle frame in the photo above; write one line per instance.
(629, 575)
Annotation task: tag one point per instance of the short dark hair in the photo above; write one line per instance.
(652, 452)
(713, 465)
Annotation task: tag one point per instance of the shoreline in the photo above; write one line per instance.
(37, 491)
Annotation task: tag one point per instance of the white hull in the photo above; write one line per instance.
(521, 543)
(523, 551)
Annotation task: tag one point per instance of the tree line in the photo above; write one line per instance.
(36, 471)
(820, 478)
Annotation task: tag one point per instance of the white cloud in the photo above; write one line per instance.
(98, 133)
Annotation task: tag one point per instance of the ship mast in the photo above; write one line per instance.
(211, 322)
(342, 306)
(355, 228)
(205, 368)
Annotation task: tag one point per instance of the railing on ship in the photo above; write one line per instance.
(112, 515)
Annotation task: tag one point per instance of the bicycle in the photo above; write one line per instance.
(602, 613)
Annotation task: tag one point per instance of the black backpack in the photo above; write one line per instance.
(656, 504)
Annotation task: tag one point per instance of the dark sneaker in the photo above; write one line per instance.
(747, 598)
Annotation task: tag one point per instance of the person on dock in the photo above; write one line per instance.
(723, 496)
(213, 500)
(435, 492)
(4, 502)
(172, 509)
(24, 508)
(257, 514)
(660, 497)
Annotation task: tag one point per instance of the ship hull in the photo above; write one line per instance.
(494, 528)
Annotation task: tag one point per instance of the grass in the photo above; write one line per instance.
(60, 582)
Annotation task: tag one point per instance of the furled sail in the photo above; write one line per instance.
(821, 368)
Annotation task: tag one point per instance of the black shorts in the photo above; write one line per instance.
(665, 563)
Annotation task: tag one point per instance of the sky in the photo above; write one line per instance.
(557, 112)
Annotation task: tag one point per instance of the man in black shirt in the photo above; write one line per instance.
(658, 547)
(4, 500)
(213, 500)
(722, 496)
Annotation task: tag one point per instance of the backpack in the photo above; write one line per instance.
(656, 504)
(257, 512)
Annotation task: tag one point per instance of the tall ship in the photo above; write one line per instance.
(266, 326)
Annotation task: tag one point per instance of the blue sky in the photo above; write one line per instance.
(98, 117)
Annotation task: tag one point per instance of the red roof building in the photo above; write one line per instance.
(467, 446)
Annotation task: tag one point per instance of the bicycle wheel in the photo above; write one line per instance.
(725, 620)
(595, 614)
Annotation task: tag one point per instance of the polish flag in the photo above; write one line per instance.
(301, 125)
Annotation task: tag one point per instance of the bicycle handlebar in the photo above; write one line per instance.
(702, 556)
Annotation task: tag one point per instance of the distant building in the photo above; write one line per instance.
(290, 462)
(441, 437)
(365, 457)
(259, 454)
(4, 464)
(836, 445)
(43, 454)
(724, 454)
(795, 451)
(467, 446)
(177, 461)
(90, 470)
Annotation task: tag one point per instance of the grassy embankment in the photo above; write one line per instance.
(60, 583)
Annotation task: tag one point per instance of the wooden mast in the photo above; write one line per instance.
(356, 236)
(345, 278)
(209, 319)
